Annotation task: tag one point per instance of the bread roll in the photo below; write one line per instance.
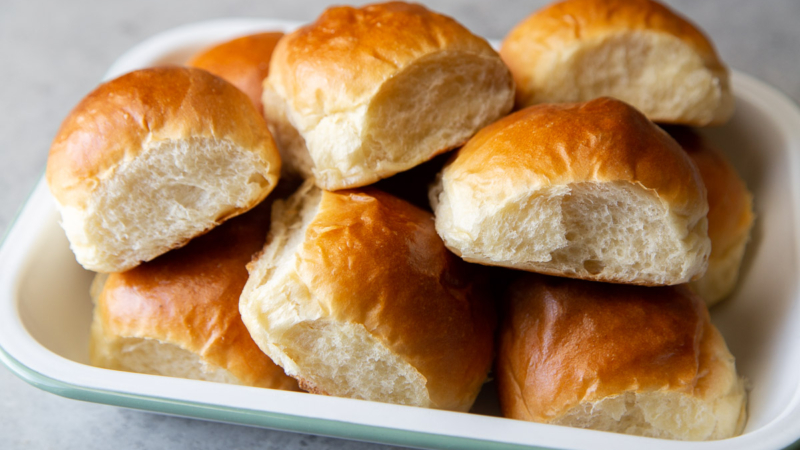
(730, 215)
(380, 89)
(590, 190)
(638, 51)
(153, 158)
(628, 359)
(356, 296)
(243, 62)
(178, 315)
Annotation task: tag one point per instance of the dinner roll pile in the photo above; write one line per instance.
(609, 236)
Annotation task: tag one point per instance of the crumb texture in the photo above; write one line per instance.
(176, 190)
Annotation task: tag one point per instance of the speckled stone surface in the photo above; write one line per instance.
(53, 52)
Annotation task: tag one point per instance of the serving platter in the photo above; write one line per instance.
(45, 309)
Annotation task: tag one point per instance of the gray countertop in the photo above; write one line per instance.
(54, 52)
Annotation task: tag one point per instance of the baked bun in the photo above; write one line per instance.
(590, 190)
(380, 89)
(627, 359)
(356, 296)
(638, 51)
(154, 158)
(730, 215)
(243, 62)
(178, 315)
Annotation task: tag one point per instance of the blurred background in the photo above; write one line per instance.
(52, 53)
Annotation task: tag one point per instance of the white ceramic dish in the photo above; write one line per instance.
(45, 309)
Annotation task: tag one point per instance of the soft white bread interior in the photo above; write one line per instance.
(591, 190)
(730, 215)
(638, 51)
(377, 90)
(627, 359)
(243, 62)
(153, 158)
(356, 296)
(297, 162)
(178, 315)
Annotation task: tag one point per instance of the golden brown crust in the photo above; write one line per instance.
(244, 62)
(601, 140)
(572, 20)
(730, 209)
(374, 42)
(566, 342)
(114, 122)
(422, 302)
(190, 298)
(567, 27)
